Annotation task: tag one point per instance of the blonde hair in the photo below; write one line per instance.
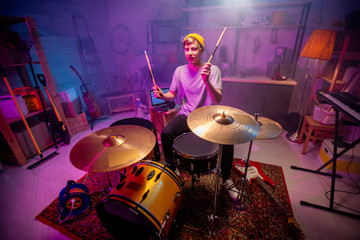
(191, 40)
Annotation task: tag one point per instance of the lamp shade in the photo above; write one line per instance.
(320, 44)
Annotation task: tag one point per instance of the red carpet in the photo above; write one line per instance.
(261, 218)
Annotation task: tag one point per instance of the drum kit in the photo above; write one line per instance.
(135, 202)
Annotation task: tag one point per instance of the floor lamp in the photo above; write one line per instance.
(320, 46)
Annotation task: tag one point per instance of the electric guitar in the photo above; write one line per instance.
(89, 100)
(255, 174)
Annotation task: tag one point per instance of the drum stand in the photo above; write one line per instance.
(213, 217)
(240, 201)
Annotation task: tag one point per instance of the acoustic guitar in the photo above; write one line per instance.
(255, 174)
(93, 108)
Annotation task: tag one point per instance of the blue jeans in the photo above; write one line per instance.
(178, 126)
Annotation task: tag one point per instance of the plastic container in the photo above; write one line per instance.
(324, 114)
(8, 107)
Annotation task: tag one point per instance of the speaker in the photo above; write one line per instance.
(279, 55)
(225, 69)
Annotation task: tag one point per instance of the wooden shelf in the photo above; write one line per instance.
(243, 21)
(6, 129)
(329, 80)
(30, 114)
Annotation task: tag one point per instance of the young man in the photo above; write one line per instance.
(198, 84)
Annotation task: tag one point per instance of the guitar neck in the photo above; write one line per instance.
(268, 191)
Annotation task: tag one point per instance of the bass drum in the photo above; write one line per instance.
(144, 203)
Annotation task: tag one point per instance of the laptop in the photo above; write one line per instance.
(159, 104)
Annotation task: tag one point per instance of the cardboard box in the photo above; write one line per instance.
(72, 108)
(352, 156)
(31, 97)
(68, 95)
(41, 135)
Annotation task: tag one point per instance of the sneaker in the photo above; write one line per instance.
(233, 192)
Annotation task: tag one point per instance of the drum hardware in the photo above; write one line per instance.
(223, 125)
(240, 201)
(166, 217)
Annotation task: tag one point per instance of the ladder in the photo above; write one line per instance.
(90, 59)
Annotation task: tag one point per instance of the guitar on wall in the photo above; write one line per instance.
(255, 174)
(89, 100)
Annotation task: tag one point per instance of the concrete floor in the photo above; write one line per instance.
(25, 193)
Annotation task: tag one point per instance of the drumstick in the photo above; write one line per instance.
(217, 44)
(148, 62)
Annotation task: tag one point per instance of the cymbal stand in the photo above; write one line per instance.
(213, 217)
(240, 201)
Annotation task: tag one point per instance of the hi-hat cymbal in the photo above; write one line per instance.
(112, 148)
(268, 128)
(223, 125)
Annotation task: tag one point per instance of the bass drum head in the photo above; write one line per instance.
(121, 221)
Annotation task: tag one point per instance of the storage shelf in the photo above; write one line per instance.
(338, 82)
(30, 114)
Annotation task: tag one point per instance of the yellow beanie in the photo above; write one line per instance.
(199, 38)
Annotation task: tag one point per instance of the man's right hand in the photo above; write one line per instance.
(158, 93)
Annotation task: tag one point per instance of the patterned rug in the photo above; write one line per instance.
(259, 217)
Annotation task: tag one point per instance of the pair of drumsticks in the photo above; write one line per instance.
(212, 55)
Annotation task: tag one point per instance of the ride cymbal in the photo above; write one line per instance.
(223, 125)
(112, 148)
(268, 128)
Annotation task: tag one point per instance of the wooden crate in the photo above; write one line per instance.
(78, 124)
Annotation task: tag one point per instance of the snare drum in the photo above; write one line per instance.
(144, 204)
(194, 154)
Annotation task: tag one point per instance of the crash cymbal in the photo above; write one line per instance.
(268, 128)
(112, 148)
(223, 124)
